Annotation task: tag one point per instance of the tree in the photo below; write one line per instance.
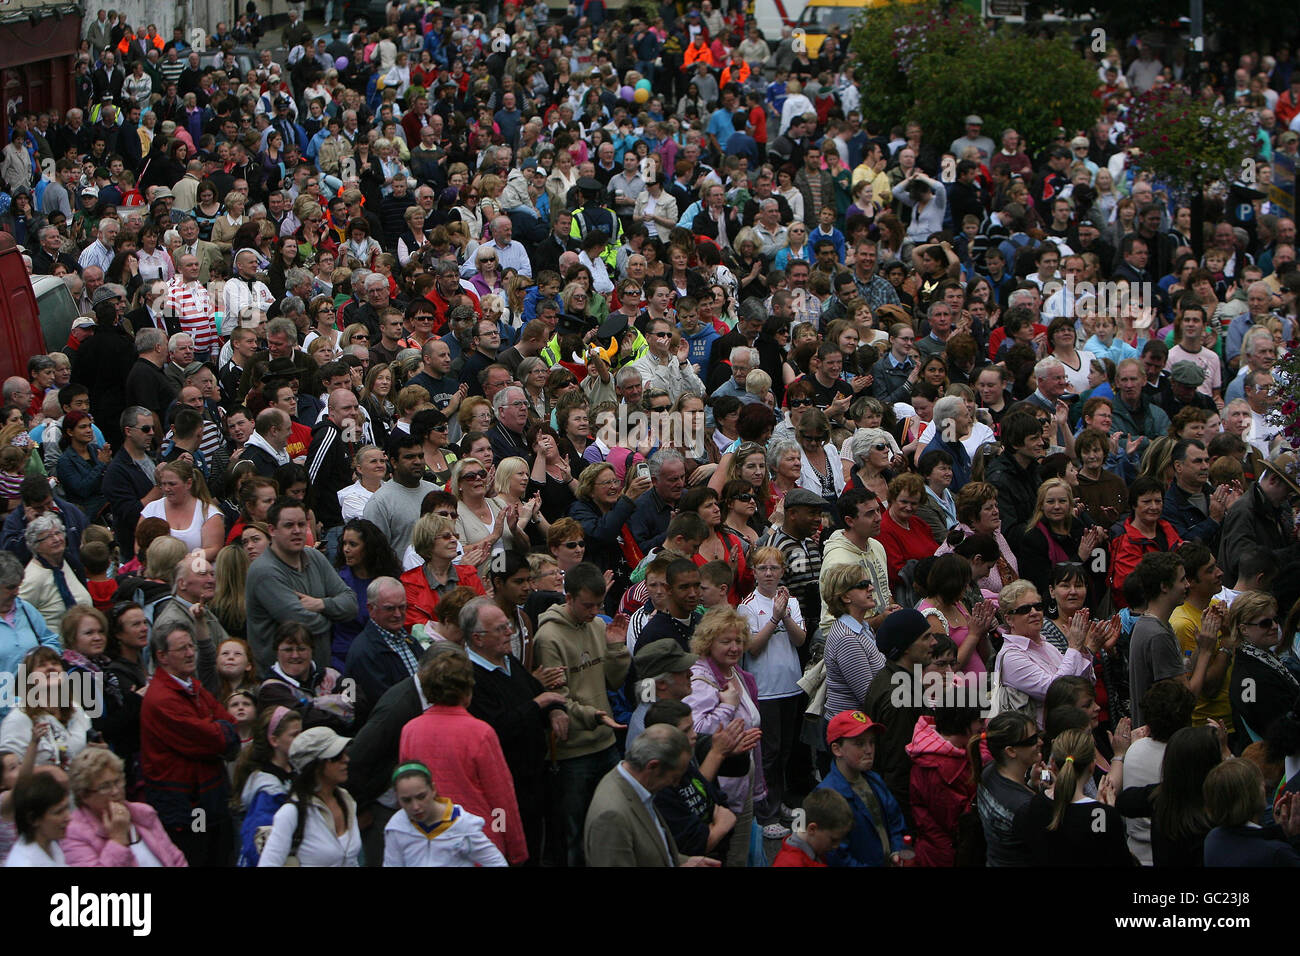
(919, 62)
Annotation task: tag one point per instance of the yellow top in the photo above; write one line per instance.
(1186, 621)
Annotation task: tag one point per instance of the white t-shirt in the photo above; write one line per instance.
(31, 854)
(191, 537)
(352, 500)
(776, 669)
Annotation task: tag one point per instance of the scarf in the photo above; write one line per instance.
(99, 664)
(1055, 553)
(60, 582)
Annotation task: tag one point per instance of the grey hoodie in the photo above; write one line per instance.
(839, 550)
(591, 669)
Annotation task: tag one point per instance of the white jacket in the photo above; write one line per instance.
(57, 746)
(461, 842)
(320, 845)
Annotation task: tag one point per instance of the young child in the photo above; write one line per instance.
(12, 462)
(715, 583)
(1103, 343)
(242, 705)
(876, 838)
(433, 831)
(96, 559)
(826, 819)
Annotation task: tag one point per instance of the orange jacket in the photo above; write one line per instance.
(698, 52)
(741, 77)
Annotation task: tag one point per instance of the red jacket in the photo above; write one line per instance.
(1127, 550)
(941, 790)
(422, 599)
(185, 736)
(790, 855)
(465, 758)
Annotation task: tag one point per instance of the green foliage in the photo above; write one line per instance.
(917, 63)
(1189, 142)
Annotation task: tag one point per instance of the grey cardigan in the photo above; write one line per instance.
(271, 600)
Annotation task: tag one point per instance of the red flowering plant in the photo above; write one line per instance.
(1286, 413)
(1191, 143)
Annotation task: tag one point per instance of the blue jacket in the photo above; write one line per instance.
(701, 345)
(13, 537)
(961, 463)
(862, 848)
(1190, 522)
(531, 300)
(375, 666)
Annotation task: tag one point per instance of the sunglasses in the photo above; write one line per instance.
(147, 429)
(1028, 741)
(1028, 608)
(447, 514)
(880, 446)
(800, 402)
(574, 545)
(819, 437)
(863, 585)
(1267, 623)
(474, 476)
(745, 497)
(449, 536)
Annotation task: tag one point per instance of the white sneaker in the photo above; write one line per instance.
(775, 831)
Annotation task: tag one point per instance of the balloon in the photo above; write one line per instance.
(341, 63)
(641, 94)
(626, 92)
(643, 85)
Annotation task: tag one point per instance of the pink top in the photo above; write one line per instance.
(465, 758)
(1031, 666)
(959, 634)
(87, 843)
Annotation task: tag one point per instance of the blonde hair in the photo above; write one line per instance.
(163, 556)
(1011, 594)
(1074, 753)
(185, 471)
(1043, 489)
(716, 622)
(453, 485)
(507, 470)
(426, 532)
(839, 581)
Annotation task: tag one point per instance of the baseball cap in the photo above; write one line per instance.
(974, 120)
(1079, 141)
(316, 743)
(848, 723)
(83, 322)
(802, 496)
(90, 191)
(1186, 372)
(662, 657)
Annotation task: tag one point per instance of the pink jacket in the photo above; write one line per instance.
(87, 843)
(465, 758)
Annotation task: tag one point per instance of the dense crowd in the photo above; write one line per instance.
(498, 437)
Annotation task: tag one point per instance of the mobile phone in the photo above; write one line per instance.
(642, 470)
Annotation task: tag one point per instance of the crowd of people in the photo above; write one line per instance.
(504, 437)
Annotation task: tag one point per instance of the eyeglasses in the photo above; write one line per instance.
(525, 404)
(147, 429)
(488, 259)
(1267, 623)
(880, 446)
(574, 545)
(1028, 609)
(474, 476)
(327, 308)
(608, 483)
(438, 428)
(358, 337)
(447, 514)
(818, 437)
(117, 783)
(660, 408)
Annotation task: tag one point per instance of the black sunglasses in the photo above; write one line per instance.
(574, 545)
(800, 402)
(1267, 623)
(474, 476)
(744, 497)
(1028, 608)
(819, 436)
(1028, 741)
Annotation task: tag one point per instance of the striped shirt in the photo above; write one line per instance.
(852, 662)
(191, 305)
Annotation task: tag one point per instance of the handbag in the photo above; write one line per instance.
(1004, 699)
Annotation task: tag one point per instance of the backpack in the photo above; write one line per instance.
(256, 827)
(263, 833)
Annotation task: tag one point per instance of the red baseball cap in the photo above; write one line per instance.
(849, 723)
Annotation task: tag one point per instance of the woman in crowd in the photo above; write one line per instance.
(604, 505)
(128, 648)
(430, 426)
(1176, 805)
(232, 572)
(1262, 687)
(296, 682)
(785, 464)
(740, 511)
(370, 466)
(364, 554)
(722, 693)
(377, 399)
(431, 830)
(49, 585)
(207, 209)
(1234, 801)
(969, 627)
(870, 468)
(42, 811)
(480, 520)
(263, 775)
(941, 785)
(83, 632)
(317, 825)
(46, 715)
(977, 514)
(1007, 782)
(187, 507)
(82, 463)
(721, 545)
(228, 223)
(1072, 829)
(1054, 535)
(852, 657)
(108, 830)
(511, 484)
(532, 375)
(463, 753)
(905, 536)
(552, 470)
(324, 325)
(1144, 531)
(1027, 663)
(436, 541)
(488, 279)
(938, 509)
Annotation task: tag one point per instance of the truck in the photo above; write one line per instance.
(36, 312)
